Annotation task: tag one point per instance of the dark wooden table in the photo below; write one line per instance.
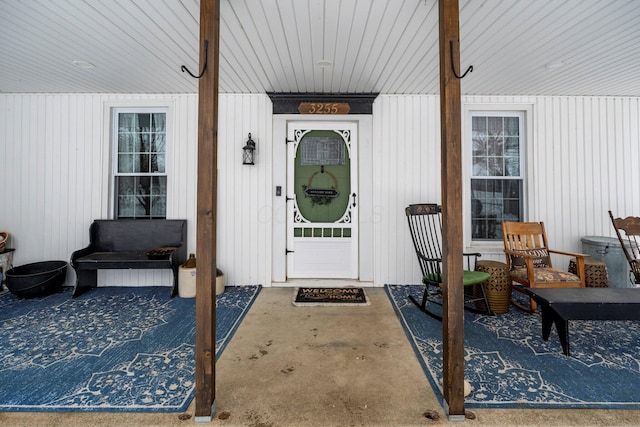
(559, 305)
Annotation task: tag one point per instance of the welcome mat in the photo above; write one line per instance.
(113, 349)
(330, 296)
(509, 365)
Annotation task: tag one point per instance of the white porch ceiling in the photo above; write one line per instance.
(383, 46)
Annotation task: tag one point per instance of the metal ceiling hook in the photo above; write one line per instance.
(453, 68)
(204, 67)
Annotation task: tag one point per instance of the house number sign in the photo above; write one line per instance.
(324, 108)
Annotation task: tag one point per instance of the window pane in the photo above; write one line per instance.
(125, 185)
(142, 207)
(494, 126)
(140, 163)
(125, 206)
(495, 146)
(479, 125)
(513, 188)
(512, 166)
(127, 122)
(480, 167)
(158, 142)
(158, 206)
(496, 166)
(157, 163)
(512, 210)
(512, 126)
(125, 163)
(512, 147)
(494, 201)
(322, 150)
(141, 143)
(144, 123)
(479, 146)
(159, 124)
(126, 142)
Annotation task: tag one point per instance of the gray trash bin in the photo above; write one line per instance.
(609, 251)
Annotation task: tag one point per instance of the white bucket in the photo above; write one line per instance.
(187, 282)
(219, 284)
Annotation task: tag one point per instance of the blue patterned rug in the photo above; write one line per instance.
(111, 349)
(509, 365)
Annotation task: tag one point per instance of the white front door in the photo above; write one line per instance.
(322, 200)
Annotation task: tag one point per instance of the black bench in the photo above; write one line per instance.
(125, 243)
(559, 305)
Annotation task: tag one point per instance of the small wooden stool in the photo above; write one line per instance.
(498, 286)
(595, 272)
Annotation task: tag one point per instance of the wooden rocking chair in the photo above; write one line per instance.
(425, 225)
(630, 242)
(529, 260)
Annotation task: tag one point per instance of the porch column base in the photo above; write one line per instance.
(206, 418)
(456, 418)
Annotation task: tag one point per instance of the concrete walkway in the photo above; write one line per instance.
(324, 366)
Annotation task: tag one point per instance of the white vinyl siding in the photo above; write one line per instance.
(582, 159)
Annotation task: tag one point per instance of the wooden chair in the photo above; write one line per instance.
(529, 260)
(425, 225)
(630, 242)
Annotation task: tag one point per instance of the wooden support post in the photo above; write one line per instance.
(206, 210)
(453, 290)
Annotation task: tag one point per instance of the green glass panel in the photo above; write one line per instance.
(346, 232)
(322, 190)
(297, 232)
(327, 232)
(337, 232)
(307, 232)
(317, 232)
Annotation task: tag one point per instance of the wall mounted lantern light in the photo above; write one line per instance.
(248, 152)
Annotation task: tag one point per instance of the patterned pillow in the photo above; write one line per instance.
(541, 259)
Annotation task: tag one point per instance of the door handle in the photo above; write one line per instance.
(354, 199)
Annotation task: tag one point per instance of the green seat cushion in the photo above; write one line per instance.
(468, 278)
(473, 277)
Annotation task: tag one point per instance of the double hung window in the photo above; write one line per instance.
(497, 141)
(139, 165)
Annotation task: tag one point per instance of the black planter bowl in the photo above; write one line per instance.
(36, 279)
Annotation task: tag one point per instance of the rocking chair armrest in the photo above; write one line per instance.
(579, 262)
(421, 256)
(471, 256)
(573, 254)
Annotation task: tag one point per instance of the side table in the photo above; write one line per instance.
(595, 272)
(498, 286)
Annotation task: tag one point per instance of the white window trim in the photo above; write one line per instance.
(527, 111)
(108, 109)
